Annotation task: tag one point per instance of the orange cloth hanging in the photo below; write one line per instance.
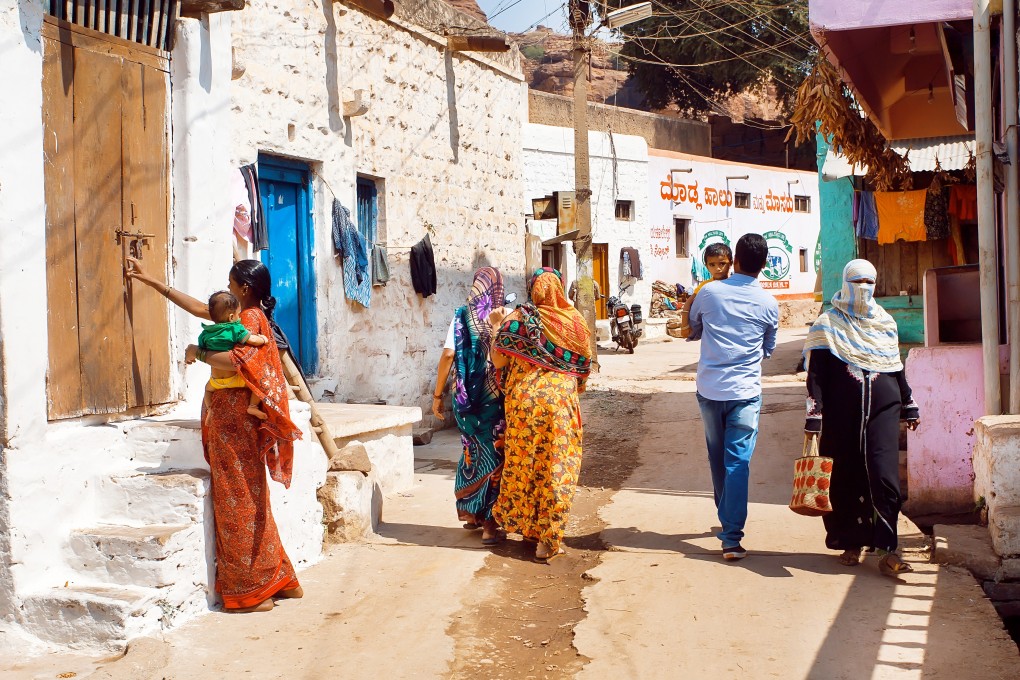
(900, 216)
(963, 202)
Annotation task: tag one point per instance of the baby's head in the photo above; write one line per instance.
(719, 259)
(223, 306)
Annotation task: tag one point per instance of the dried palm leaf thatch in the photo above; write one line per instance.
(825, 104)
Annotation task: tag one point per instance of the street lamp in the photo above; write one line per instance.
(580, 20)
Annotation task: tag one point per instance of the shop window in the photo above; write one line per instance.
(802, 204)
(625, 211)
(741, 199)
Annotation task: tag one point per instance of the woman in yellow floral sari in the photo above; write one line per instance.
(544, 347)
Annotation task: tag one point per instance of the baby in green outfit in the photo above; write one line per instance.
(222, 336)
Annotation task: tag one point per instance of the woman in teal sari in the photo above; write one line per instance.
(477, 404)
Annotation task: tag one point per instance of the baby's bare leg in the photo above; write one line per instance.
(207, 402)
(253, 408)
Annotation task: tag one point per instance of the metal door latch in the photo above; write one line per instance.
(133, 242)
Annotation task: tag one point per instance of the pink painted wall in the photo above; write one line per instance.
(947, 382)
(841, 15)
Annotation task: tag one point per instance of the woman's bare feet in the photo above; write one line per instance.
(264, 606)
(257, 412)
(294, 593)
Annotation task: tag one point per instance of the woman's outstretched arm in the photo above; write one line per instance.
(182, 300)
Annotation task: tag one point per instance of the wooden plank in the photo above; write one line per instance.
(132, 20)
(893, 282)
(102, 43)
(79, 12)
(123, 18)
(158, 26)
(101, 19)
(908, 268)
(97, 207)
(145, 21)
(145, 209)
(63, 380)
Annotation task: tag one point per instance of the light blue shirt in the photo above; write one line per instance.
(737, 323)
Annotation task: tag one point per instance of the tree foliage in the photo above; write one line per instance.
(693, 53)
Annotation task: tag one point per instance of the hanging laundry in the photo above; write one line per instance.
(242, 207)
(936, 212)
(380, 267)
(257, 216)
(351, 248)
(900, 215)
(963, 202)
(632, 260)
(865, 215)
(423, 267)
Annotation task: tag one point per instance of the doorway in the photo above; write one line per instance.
(284, 188)
(600, 272)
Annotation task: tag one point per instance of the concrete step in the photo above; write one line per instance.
(167, 498)
(90, 617)
(167, 444)
(151, 556)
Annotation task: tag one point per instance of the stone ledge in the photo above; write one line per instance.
(1004, 528)
(968, 546)
(349, 420)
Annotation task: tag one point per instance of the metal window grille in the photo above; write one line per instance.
(625, 210)
(146, 22)
(802, 204)
(741, 199)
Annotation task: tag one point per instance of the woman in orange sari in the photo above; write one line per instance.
(251, 564)
(544, 346)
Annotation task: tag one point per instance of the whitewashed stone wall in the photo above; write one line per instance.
(618, 171)
(442, 140)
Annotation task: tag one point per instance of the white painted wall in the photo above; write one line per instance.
(767, 214)
(618, 171)
(442, 133)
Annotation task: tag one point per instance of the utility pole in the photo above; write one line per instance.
(580, 19)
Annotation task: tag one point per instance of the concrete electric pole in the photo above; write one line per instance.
(580, 20)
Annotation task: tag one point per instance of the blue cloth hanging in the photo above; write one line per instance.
(348, 243)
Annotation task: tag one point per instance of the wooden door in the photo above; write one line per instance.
(106, 173)
(600, 272)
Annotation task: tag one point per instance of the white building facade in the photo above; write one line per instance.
(695, 201)
(92, 472)
(619, 203)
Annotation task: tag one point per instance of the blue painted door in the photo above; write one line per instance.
(286, 200)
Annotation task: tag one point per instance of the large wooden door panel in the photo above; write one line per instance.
(64, 393)
(145, 210)
(102, 339)
(600, 272)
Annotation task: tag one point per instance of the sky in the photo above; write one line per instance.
(518, 15)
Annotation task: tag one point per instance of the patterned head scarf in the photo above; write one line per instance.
(475, 384)
(548, 332)
(856, 329)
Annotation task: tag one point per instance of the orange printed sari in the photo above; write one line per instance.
(251, 564)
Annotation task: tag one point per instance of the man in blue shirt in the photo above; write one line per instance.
(737, 323)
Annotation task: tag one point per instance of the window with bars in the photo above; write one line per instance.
(682, 228)
(146, 22)
(802, 204)
(741, 199)
(625, 211)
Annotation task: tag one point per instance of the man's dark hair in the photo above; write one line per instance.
(752, 253)
(222, 304)
(717, 249)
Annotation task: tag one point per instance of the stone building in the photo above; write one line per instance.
(127, 139)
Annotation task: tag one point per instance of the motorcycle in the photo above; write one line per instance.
(624, 324)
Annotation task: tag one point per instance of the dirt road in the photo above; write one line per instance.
(642, 592)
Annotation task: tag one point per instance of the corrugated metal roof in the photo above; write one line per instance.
(952, 153)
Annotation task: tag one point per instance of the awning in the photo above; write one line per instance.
(951, 153)
(567, 236)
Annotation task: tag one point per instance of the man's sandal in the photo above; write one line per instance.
(891, 564)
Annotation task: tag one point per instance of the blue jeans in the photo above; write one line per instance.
(731, 430)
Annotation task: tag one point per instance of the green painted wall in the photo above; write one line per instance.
(839, 246)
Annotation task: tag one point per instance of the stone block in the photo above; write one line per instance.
(149, 556)
(1002, 592)
(1008, 610)
(165, 498)
(351, 507)
(421, 435)
(1004, 527)
(92, 617)
(392, 457)
(351, 458)
(967, 546)
(1010, 570)
(997, 461)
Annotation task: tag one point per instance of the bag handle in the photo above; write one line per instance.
(810, 445)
